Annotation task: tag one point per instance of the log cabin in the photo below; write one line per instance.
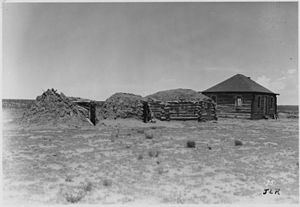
(241, 97)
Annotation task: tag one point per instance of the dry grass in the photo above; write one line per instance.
(225, 174)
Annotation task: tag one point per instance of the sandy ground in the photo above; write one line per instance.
(115, 163)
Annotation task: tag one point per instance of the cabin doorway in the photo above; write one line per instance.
(93, 113)
(146, 112)
(265, 105)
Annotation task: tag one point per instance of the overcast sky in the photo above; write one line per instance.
(93, 50)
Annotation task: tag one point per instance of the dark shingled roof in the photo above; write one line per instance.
(238, 83)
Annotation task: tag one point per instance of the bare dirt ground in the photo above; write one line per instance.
(127, 161)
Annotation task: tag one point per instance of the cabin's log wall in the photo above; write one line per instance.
(250, 108)
(183, 110)
(227, 106)
(263, 105)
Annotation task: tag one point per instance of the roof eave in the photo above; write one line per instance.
(240, 92)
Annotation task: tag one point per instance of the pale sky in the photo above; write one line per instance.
(93, 50)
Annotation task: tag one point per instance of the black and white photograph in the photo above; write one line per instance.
(164, 103)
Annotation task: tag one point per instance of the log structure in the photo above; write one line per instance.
(241, 97)
(183, 110)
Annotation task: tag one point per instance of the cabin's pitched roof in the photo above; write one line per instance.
(238, 83)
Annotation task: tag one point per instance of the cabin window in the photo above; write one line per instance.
(238, 101)
(258, 102)
(214, 98)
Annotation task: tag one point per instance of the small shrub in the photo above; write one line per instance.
(238, 143)
(140, 157)
(88, 187)
(74, 197)
(190, 144)
(153, 153)
(114, 135)
(140, 131)
(68, 179)
(112, 138)
(107, 182)
(149, 135)
(160, 171)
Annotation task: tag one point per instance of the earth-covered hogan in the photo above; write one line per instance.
(181, 104)
(122, 105)
(175, 104)
(56, 109)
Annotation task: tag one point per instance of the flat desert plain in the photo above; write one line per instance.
(128, 162)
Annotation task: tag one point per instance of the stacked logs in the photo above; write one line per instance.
(183, 110)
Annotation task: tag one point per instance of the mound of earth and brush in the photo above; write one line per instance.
(54, 109)
(179, 94)
(122, 105)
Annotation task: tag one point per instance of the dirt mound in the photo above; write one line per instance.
(54, 109)
(123, 105)
(177, 95)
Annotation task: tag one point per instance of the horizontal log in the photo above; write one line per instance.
(183, 115)
(182, 111)
(235, 116)
(183, 118)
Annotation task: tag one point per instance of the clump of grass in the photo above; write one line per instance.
(88, 187)
(74, 197)
(74, 194)
(149, 134)
(190, 144)
(115, 135)
(238, 143)
(160, 171)
(140, 131)
(107, 182)
(68, 179)
(153, 153)
(140, 157)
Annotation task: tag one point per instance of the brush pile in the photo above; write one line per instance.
(54, 109)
